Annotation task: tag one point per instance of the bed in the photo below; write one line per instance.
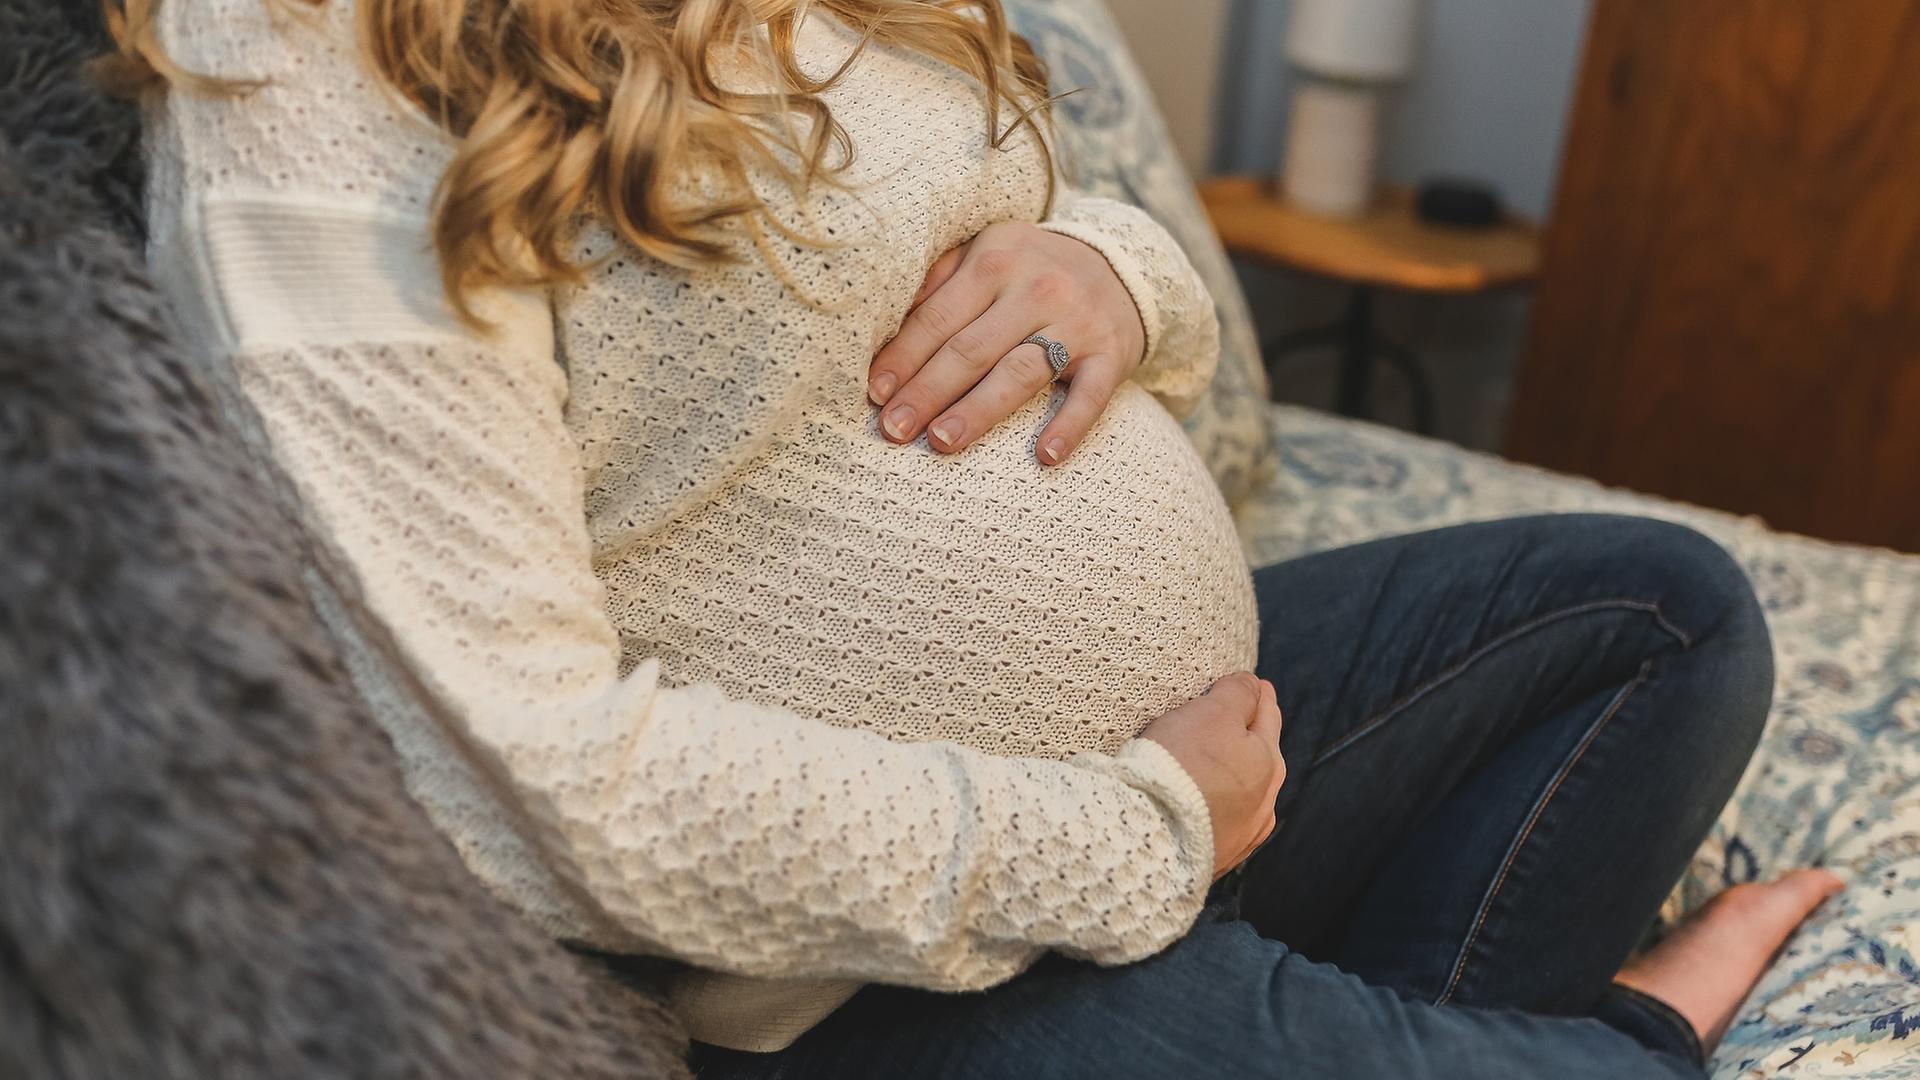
(1836, 781)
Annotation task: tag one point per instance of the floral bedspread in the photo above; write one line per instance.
(1836, 781)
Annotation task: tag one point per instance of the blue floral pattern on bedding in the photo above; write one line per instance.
(1836, 781)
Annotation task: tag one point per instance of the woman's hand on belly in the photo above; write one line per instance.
(1228, 740)
(958, 366)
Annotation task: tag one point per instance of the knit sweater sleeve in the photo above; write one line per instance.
(1183, 330)
(435, 459)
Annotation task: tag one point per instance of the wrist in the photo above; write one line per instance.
(1131, 274)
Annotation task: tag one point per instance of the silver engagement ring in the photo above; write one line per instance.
(1057, 355)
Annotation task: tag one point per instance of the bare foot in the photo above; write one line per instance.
(1705, 968)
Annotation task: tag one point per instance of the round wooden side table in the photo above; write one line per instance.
(1388, 248)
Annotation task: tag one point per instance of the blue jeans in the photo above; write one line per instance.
(1505, 741)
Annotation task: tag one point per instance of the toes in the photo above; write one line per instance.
(1828, 881)
(1810, 887)
(1775, 907)
(1788, 900)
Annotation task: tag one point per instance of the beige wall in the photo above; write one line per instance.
(1178, 45)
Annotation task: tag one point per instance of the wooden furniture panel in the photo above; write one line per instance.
(1729, 310)
(1389, 247)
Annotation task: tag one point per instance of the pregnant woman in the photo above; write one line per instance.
(672, 374)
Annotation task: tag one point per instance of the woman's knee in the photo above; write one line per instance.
(1697, 584)
(1707, 582)
(1706, 597)
(1700, 594)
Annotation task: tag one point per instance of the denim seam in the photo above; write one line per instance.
(1533, 819)
(1524, 629)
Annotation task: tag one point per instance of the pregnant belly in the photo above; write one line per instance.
(980, 599)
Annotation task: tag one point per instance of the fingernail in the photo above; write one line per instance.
(947, 431)
(1054, 450)
(882, 388)
(898, 422)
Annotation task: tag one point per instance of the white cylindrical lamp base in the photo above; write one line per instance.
(1333, 147)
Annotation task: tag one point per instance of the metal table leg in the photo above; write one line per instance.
(1359, 343)
(1416, 376)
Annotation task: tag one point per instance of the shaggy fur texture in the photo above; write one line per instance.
(83, 147)
(208, 864)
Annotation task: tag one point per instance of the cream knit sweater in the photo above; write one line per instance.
(725, 677)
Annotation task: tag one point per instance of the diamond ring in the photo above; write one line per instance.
(1057, 355)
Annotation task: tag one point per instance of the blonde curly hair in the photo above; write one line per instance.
(562, 107)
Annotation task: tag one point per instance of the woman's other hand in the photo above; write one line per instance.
(1229, 741)
(957, 367)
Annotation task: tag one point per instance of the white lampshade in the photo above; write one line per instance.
(1364, 40)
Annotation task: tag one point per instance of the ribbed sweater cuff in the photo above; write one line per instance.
(1127, 267)
(1151, 769)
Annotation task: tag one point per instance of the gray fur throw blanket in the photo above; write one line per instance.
(208, 865)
